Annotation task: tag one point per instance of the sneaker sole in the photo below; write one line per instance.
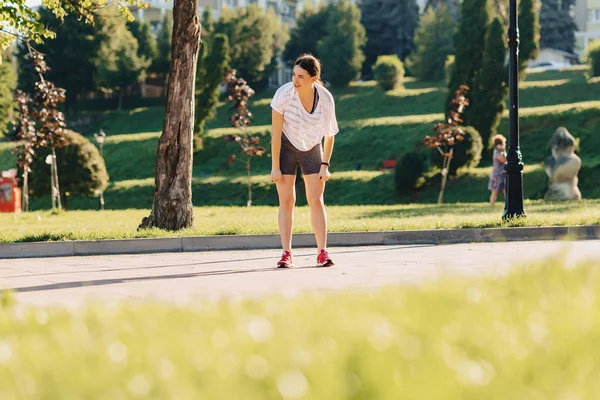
(327, 263)
(285, 265)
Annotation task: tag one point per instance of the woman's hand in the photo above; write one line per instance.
(324, 174)
(276, 176)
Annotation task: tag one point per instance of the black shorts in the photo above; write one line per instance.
(290, 157)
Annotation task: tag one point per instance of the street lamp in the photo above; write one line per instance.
(100, 139)
(514, 164)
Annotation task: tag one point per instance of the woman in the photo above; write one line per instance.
(303, 114)
(497, 180)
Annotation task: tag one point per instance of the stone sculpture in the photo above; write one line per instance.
(562, 167)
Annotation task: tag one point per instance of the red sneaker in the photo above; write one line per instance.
(323, 259)
(286, 260)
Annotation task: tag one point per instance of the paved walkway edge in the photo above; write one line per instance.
(255, 242)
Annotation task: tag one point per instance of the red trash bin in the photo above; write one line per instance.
(10, 195)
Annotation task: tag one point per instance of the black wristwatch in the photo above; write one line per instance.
(325, 163)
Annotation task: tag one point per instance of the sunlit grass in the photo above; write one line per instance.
(88, 225)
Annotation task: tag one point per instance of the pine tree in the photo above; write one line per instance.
(305, 36)
(557, 25)
(490, 89)
(341, 48)
(163, 41)
(8, 83)
(529, 33)
(119, 65)
(469, 44)
(147, 46)
(433, 44)
(211, 73)
(390, 27)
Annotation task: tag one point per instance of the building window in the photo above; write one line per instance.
(594, 15)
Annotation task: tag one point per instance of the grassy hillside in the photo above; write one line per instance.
(375, 126)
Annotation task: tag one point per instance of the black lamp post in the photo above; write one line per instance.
(514, 164)
(100, 139)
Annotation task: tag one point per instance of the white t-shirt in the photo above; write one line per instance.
(305, 130)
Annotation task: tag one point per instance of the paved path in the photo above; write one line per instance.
(184, 277)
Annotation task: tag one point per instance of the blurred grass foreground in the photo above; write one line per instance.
(529, 334)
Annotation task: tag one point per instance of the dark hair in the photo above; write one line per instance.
(310, 64)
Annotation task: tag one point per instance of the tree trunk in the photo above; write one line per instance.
(120, 103)
(25, 195)
(445, 172)
(249, 181)
(55, 178)
(172, 205)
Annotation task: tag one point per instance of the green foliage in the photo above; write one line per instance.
(409, 171)
(593, 57)
(72, 55)
(255, 39)
(210, 74)
(81, 170)
(557, 26)
(21, 20)
(469, 43)
(467, 153)
(433, 43)
(208, 22)
(119, 65)
(341, 48)
(310, 29)
(389, 72)
(162, 62)
(529, 33)
(147, 46)
(390, 28)
(490, 90)
(8, 83)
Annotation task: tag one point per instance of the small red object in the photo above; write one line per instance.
(388, 164)
(10, 195)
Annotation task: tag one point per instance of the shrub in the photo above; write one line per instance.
(467, 153)
(81, 170)
(389, 72)
(593, 57)
(409, 171)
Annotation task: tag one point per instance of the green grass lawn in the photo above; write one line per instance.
(375, 126)
(529, 334)
(79, 225)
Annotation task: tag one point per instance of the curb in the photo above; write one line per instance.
(256, 242)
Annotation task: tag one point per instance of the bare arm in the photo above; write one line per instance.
(276, 132)
(501, 158)
(327, 151)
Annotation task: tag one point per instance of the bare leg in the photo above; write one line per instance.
(318, 216)
(287, 199)
(494, 197)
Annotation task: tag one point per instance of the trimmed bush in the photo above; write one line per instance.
(409, 171)
(81, 170)
(467, 153)
(389, 72)
(593, 57)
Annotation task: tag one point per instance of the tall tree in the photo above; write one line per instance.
(453, 7)
(490, 90)
(305, 36)
(529, 33)
(71, 55)
(434, 44)
(164, 38)
(210, 75)
(469, 43)
(255, 38)
(172, 204)
(147, 46)
(8, 83)
(390, 27)
(557, 25)
(341, 48)
(119, 65)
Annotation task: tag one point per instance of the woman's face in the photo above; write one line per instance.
(302, 79)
